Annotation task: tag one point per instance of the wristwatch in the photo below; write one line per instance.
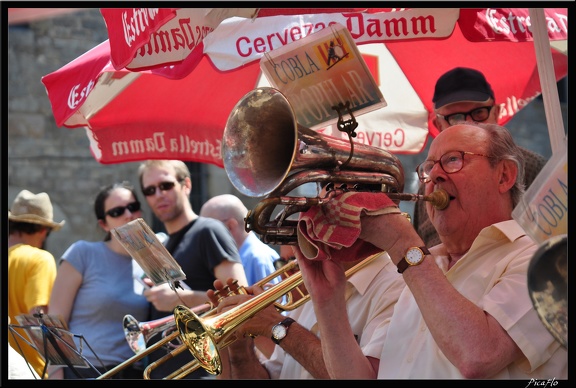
(280, 330)
(413, 256)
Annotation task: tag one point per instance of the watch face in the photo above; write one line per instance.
(279, 331)
(414, 256)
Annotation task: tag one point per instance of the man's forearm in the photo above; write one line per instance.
(306, 348)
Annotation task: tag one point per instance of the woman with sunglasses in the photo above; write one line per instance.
(94, 289)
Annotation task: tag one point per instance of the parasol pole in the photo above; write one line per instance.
(547, 80)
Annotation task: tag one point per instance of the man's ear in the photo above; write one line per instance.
(508, 171)
(188, 183)
(496, 110)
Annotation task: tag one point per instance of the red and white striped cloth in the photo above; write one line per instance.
(330, 231)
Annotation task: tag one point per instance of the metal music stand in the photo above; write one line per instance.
(50, 337)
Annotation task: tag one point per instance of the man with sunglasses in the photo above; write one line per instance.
(203, 247)
(465, 312)
(463, 94)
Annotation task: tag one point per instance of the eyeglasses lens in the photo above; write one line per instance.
(479, 115)
(164, 186)
(118, 211)
(450, 162)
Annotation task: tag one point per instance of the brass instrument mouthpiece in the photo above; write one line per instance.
(439, 198)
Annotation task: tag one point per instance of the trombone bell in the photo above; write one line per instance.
(139, 333)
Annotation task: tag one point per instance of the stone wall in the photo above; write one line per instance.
(44, 157)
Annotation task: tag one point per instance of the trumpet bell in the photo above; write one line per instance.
(195, 336)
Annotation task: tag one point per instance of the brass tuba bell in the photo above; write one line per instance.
(263, 143)
(267, 153)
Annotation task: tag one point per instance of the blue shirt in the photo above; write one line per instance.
(257, 259)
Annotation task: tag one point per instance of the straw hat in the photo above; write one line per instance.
(33, 208)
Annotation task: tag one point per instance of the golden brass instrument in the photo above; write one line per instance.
(266, 153)
(548, 286)
(138, 333)
(204, 337)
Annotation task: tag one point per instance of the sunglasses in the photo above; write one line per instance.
(163, 186)
(479, 115)
(116, 212)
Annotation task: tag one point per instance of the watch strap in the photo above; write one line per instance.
(403, 264)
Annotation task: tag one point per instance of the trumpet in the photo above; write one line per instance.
(139, 333)
(204, 337)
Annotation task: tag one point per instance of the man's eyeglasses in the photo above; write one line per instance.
(116, 212)
(478, 114)
(450, 162)
(164, 186)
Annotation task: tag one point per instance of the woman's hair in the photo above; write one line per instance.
(103, 194)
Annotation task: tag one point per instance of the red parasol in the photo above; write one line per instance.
(180, 111)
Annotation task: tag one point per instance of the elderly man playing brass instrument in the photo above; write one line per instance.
(465, 312)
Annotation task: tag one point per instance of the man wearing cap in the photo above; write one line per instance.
(464, 94)
(31, 269)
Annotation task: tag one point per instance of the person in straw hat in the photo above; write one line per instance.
(31, 268)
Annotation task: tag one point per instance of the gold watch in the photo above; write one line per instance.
(413, 256)
(280, 330)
